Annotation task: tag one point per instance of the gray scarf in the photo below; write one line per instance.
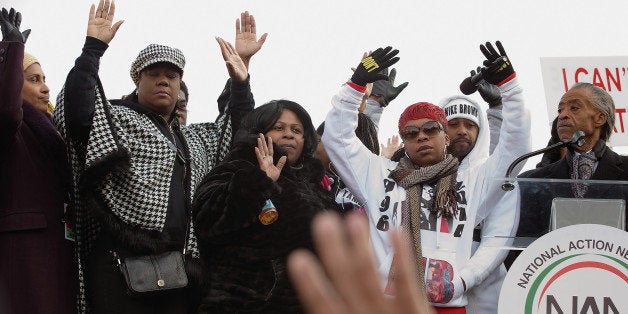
(411, 177)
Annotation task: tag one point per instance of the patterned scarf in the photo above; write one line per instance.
(412, 179)
(408, 176)
(582, 170)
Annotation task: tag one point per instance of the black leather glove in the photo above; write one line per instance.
(10, 23)
(489, 92)
(498, 66)
(368, 71)
(385, 89)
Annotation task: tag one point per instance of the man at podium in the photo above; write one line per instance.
(590, 109)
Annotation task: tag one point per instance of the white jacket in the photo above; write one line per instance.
(483, 298)
(367, 176)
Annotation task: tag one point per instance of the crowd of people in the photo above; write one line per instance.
(138, 212)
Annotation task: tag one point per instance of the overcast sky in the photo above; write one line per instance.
(312, 45)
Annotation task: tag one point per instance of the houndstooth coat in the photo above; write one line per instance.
(122, 169)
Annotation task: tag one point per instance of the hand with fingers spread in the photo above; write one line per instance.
(385, 91)
(345, 279)
(264, 153)
(236, 67)
(489, 92)
(246, 43)
(498, 67)
(100, 21)
(392, 145)
(368, 71)
(10, 23)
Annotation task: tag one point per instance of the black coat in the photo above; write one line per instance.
(536, 200)
(246, 260)
(38, 273)
(536, 204)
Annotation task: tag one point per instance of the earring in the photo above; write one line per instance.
(405, 152)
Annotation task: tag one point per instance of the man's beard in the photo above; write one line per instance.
(460, 152)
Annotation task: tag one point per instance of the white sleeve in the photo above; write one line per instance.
(374, 111)
(497, 232)
(499, 209)
(514, 141)
(494, 116)
(355, 163)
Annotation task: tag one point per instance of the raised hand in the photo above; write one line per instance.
(392, 145)
(264, 153)
(10, 23)
(345, 279)
(246, 43)
(498, 66)
(369, 87)
(236, 67)
(489, 92)
(368, 71)
(385, 90)
(100, 20)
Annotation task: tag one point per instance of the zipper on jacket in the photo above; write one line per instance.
(187, 168)
(179, 154)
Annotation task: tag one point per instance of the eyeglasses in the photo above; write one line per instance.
(430, 128)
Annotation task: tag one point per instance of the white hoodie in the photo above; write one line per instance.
(483, 298)
(367, 176)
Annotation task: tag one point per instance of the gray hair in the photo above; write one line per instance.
(603, 102)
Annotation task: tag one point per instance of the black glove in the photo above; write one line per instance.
(368, 71)
(10, 23)
(386, 88)
(489, 92)
(498, 66)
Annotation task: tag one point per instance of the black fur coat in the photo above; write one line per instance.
(246, 260)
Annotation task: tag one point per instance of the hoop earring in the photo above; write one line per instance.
(405, 152)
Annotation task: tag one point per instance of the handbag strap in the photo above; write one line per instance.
(187, 234)
(116, 256)
(187, 170)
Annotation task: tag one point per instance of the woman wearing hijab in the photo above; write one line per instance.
(35, 91)
(271, 164)
(37, 267)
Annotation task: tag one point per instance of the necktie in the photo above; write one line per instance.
(582, 170)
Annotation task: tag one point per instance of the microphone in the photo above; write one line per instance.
(577, 138)
(469, 84)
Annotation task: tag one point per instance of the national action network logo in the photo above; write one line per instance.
(575, 269)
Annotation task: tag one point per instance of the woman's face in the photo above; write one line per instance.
(288, 133)
(424, 141)
(35, 91)
(158, 88)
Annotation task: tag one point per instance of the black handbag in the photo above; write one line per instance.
(149, 274)
(155, 273)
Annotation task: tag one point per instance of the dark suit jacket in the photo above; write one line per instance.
(536, 199)
(536, 203)
(37, 265)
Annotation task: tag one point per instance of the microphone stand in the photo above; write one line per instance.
(577, 138)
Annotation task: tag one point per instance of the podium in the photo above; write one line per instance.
(571, 253)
